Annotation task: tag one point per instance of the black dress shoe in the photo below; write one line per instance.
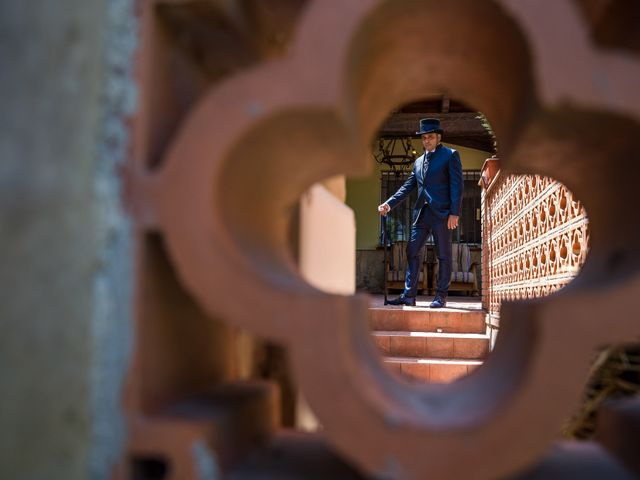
(402, 300)
(438, 302)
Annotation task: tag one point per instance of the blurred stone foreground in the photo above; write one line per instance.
(65, 90)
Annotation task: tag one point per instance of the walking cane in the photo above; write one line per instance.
(386, 259)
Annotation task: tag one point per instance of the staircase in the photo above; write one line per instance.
(432, 345)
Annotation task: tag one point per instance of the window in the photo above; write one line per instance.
(398, 219)
(470, 227)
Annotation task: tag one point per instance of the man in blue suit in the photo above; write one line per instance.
(437, 174)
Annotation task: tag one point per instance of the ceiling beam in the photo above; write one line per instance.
(444, 108)
(463, 129)
(477, 143)
(403, 124)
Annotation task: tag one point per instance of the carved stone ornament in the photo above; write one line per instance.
(536, 238)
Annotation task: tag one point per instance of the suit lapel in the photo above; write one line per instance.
(421, 168)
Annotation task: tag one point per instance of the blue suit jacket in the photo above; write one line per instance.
(440, 189)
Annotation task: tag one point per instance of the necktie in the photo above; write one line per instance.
(425, 163)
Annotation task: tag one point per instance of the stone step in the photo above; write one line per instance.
(445, 320)
(434, 370)
(473, 346)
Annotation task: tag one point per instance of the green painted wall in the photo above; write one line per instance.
(363, 195)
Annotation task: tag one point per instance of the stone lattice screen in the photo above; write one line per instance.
(233, 94)
(535, 238)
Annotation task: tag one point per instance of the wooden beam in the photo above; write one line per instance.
(477, 143)
(464, 129)
(444, 108)
(434, 105)
(403, 124)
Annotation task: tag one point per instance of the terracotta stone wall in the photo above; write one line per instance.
(311, 110)
(536, 238)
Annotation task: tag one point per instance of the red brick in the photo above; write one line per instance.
(407, 346)
(444, 321)
(470, 323)
(419, 371)
(457, 322)
(393, 366)
(447, 372)
(417, 320)
(382, 341)
(471, 348)
(386, 319)
(439, 347)
(472, 367)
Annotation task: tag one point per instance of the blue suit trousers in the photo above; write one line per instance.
(426, 222)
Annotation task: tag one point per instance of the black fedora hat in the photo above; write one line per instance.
(428, 125)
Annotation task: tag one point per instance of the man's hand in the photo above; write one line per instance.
(384, 209)
(452, 222)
